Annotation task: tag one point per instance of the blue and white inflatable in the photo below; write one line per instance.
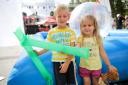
(25, 73)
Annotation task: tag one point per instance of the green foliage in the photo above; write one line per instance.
(118, 7)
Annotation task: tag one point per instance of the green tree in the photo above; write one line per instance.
(118, 7)
(112, 7)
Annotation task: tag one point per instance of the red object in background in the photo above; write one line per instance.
(44, 29)
(50, 20)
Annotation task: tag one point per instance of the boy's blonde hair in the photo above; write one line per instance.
(61, 7)
(94, 22)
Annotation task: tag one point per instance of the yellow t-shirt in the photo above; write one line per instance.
(94, 61)
(63, 36)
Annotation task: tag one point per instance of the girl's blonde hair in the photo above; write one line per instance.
(94, 22)
(61, 7)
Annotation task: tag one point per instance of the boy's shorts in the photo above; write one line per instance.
(87, 73)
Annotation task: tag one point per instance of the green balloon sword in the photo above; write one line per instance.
(28, 42)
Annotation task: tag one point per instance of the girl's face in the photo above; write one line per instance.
(62, 17)
(87, 27)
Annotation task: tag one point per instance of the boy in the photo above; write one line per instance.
(63, 64)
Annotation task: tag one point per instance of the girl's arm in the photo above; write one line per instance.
(104, 55)
(105, 59)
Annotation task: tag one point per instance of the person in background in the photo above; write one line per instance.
(63, 64)
(52, 13)
(119, 21)
(126, 22)
(114, 23)
(90, 38)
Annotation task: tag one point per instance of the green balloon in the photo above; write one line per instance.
(28, 42)
(76, 51)
(44, 73)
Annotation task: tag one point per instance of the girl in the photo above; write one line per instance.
(90, 38)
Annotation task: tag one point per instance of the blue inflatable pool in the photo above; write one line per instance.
(25, 73)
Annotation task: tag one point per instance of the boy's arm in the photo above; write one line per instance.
(70, 57)
(65, 65)
(41, 51)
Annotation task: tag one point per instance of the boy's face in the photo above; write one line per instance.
(62, 17)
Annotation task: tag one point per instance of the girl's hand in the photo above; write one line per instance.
(112, 68)
(64, 67)
(113, 73)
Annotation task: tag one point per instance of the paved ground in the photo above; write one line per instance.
(8, 57)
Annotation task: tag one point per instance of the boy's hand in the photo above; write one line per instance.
(40, 52)
(64, 67)
(36, 52)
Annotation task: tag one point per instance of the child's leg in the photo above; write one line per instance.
(85, 73)
(87, 81)
(71, 74)
(95, 76)
(95, 80)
